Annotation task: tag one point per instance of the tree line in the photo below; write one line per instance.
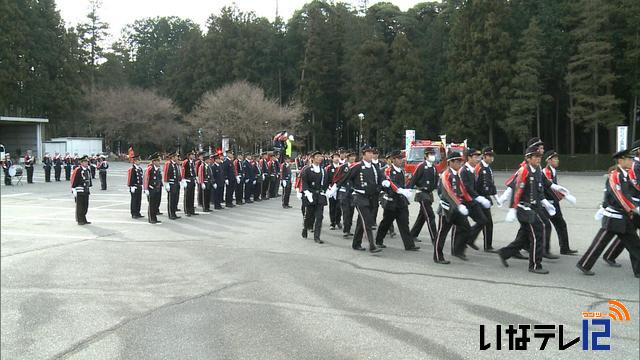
(494, 71)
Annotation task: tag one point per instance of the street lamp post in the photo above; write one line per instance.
(361, 117)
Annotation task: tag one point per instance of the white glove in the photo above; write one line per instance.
(331, 192)
(386, 183)
(146, 192)
(247, 181)
(74, 192)
(511, 215)
(570, 198)
(238, 179)
(463, 210)
(483, 201)
(167, 187)
(637, 210)
(204, 186)
(183, 183)
(560, 189)
(505, 197)
(284, 183)
(263, 176)
(215, 186)
(254, 182)
(299, 195)
(309, 195)
(226, 182)
(132, 189)
(406, 193)
(549, 206)
(599, 214)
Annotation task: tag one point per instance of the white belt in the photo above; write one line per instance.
(359, 191)
(444, 205)
(635, 199)
(386, 197)
(524, 207)
(342, 190)
(611, 215)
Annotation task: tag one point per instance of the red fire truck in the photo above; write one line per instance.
(415, 156)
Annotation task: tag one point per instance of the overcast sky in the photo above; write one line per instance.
(119, 13)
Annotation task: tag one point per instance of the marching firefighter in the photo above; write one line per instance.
(249, 177)
(171, 180)
(205, 183)
(345, 195)
(425, 181)
(135, 178)
(68, 161)
(57, 166)
(485, 187)
(188, 183)
(334, 205)
(230, 175)
(80, 185)
(153, 188)
(550, 171)
(395, 204)
(315, 182)
(366, 181)
(29, 162)
(285, 182)
(218, 182)
(102, 166)
(479, 203)
(47, 164)
(239, 186)
(452, 211)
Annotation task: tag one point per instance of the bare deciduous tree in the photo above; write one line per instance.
(135, 115)
(241, 111)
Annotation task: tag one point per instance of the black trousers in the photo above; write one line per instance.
(273, 186)
(136, 201)
(366, 219)
(286, 193)
(266, 183)
(522, 234)
(533, 239)
(154, 198)
(172, 200)
(188, 200)
(561, 229)
(313, 214)
(93, 171)
(29, 174)
(7, 178)
(248, 190)
(617, 246)
(57, 170)
(239, 191)
(218, 196)
(347, 209)
(228, 192)
(460, 225)
(486, 229)
(630, 241)
(82, 206)
(334, 211)
(206, 197)
(426, 215)
(103, 179)
(401, 216)
(199, 193)
(47, 173)
(257, 190)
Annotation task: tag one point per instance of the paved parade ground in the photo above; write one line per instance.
(242, 283)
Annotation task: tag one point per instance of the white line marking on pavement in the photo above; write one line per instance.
(73, 220)
(14, 195)
(49, 235)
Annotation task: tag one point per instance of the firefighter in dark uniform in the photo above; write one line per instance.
(479, 202)
(67, 166)
(365, 182)
(218, 182)
(617, 246)
(375, 161)
(527, 205)
(275, 175)
(47, 164)
(205, 183)
(345, 195)
(553, 161)
(249, 177)
(395, 204)
(57, 166)
(315, 182)
(29, 162)
(171, 180)
(266, 176)
(102, 166)
(80, 185)
(239, 190)
(199, 162)
(229, 172)
(6, 165)
(619, 211)
(188, 183)
(259, 177)
(135, 182)
(93, 163)
(425, 181)
(485, 187)
(334, 205)
(452, 210)
(153, 188)
(285, 182)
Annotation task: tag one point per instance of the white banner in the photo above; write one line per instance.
(409, 136)
(621, 138)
